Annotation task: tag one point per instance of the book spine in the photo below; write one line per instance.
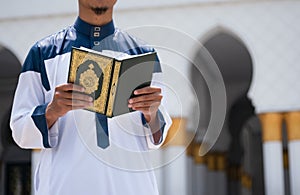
(113, 89)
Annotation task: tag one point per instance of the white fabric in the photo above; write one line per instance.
(70, 167)
(157, 81)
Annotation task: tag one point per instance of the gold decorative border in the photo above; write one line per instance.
(105, 63)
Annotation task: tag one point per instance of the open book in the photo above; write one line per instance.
(110, 77)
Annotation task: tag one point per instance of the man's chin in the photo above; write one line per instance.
(99, 10)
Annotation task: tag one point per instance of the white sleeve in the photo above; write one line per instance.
(163, 116)
(165, 123)
(28, 122)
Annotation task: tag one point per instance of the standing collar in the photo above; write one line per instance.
(94, 31)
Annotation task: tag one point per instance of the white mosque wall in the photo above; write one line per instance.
(19, 35)
(32, 8)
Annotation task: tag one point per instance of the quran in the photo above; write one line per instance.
(110, 77)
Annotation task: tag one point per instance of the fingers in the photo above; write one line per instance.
(144, 105)
(146, 94)
(147, 90)
(69, 97)
(148, 110)
(143, 98)
(66, 97)
(69, 87)
(73, 96)
(72, 104)
(148, 100)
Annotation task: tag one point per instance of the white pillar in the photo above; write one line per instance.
(211, 182)
(222, 183)
(272, 153)
(190, 176)
(293, 132)
(221, 174)
(190, 169)
(200, 172)
(200, 179)
(175, 173)
(273, 168)
(216, 176)
(294, 166)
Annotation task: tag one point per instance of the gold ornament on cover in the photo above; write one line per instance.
(89, 80)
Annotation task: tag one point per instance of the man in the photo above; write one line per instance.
(47, 113)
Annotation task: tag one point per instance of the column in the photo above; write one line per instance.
(175, 173)
(221, 173)
(211, 174)
(246, 182)
(191, 176)
(216, 174)
(272, 153)
(200, 172)
(293, 133)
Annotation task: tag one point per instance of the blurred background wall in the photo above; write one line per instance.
(223, 63)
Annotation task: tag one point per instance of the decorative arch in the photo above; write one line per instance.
(224, 29)
(217, 41)
(9, 62)
(10, 70)
(234, 59)
(233, 44)
(15, 162)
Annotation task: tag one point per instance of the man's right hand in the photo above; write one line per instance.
(66, 97)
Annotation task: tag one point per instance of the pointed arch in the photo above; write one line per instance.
(231, 53)
(11, 156)
(223, 29)
(234, 61)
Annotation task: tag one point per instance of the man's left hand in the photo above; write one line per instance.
(147, 101)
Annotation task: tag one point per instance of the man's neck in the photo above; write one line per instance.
(92, 18)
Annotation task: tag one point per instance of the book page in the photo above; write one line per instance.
(115, 54)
